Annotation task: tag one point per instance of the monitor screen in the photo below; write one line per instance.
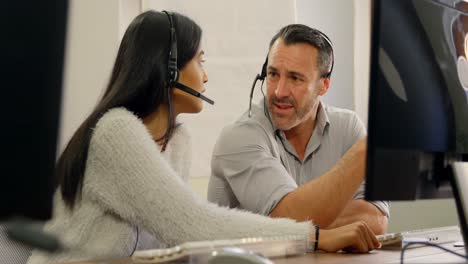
(31, 63)
(418, 107)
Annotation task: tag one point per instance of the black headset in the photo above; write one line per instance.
(173, 71)
(262, 75)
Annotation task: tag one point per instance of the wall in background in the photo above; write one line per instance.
(92, 41)
(410, 215)
(361, 58)
(128, 10)
(335, 19)
(93, 37)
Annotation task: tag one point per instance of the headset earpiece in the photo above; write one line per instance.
(263, 73)
(261, 76)
(172, 63)
(172, 69)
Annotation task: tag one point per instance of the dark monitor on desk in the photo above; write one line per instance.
(418, 107)
(31, 66)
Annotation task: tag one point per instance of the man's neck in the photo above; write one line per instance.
(300, 135)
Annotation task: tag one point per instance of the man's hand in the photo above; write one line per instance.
(355, 237)
(361, 210)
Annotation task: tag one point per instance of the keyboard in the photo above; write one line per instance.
(438, 235)
(201, 251)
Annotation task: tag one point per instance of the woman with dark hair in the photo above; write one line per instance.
(120, 180)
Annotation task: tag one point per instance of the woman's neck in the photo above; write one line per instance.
(157, 122)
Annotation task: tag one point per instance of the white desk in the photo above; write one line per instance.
(415, 255)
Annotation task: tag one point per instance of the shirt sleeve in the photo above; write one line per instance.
(358, 131)
(383, 206)
(245, 161)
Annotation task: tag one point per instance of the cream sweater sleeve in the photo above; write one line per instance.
(128, 176)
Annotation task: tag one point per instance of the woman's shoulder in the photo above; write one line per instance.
(118, 125)
(117, 117)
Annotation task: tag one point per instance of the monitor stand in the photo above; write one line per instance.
(459, 184)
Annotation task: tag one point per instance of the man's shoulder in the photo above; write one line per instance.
(340, 114)
(344, 122)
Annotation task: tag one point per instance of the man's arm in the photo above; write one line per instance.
(322, 200)
(247, 171)
(361, 210)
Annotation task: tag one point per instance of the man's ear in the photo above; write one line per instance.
(325, 85)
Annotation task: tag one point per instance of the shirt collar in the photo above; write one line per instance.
(322, 122)
(322, 119)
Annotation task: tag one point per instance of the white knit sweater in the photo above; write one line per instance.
(130, 183)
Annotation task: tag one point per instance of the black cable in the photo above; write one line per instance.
(265, 109)
(136, 242)
(429, 244)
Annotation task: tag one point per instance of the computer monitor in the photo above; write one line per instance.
(31, 66)
(418, 106)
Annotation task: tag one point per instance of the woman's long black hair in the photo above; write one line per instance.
(139, 82)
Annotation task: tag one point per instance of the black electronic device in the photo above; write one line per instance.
(418, 105)
(31, 66)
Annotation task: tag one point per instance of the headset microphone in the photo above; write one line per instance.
(191, 91)
(261, 76)
(172, 69)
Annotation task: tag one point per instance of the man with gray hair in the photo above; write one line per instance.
(290, 155)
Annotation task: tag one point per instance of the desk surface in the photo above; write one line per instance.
(414, 255)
